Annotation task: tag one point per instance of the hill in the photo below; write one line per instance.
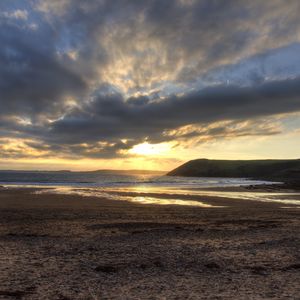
(258, 169)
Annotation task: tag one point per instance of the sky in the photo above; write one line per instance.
(127, 84)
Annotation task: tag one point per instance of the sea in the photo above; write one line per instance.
(141, 186)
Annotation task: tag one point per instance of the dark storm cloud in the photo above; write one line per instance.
(112, 118)
(32, 79)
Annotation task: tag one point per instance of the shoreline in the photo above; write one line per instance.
(214, 197)
(56, 246)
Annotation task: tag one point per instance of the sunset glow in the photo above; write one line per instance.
(113, 84)
(150, 149)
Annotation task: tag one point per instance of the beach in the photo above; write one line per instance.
(149, 150)
(56, 246)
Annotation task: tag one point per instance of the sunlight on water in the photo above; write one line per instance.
(142, 199)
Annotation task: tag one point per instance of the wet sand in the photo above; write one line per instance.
(73, 247)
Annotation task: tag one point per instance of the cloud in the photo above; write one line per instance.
(16, 14)
(139, 46)
(33, 79)
(111, 117)
(108, 124)
(94, 78)
(274, 64)
(225, 130)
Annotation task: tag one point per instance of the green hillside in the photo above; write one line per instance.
(280, 169)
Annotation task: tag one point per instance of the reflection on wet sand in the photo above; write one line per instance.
(114, 195)
(174, 196)
(160, 201)
(281, 197)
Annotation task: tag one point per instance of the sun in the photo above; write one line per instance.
(149, 149)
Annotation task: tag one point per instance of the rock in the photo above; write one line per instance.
(292, 267)
(212, 265)
(157, 263)
(259, 270)
(106, 269)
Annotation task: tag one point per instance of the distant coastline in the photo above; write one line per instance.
(133, 171)
(287, 170)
